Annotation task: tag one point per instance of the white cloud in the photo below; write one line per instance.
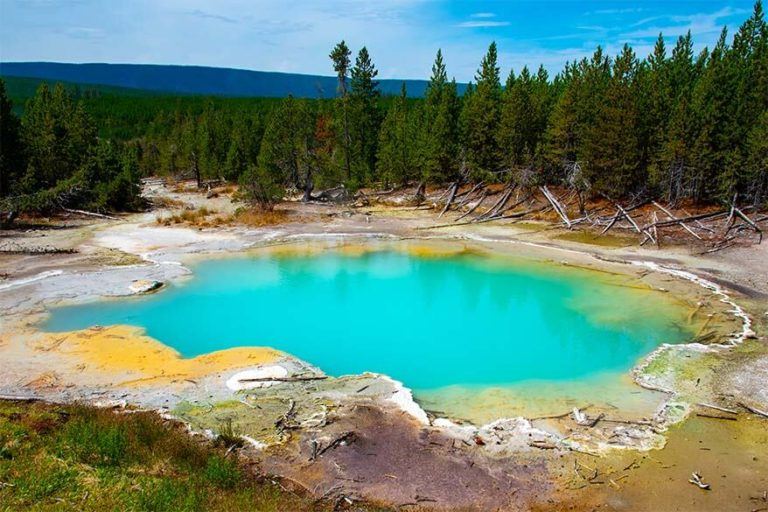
(483, 15)
(211, 16)
(482, 24)
(626, 10)
(700, 23)
(85, 33)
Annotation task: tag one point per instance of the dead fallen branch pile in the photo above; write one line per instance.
(650, 220)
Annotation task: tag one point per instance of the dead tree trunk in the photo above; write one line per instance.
(418, 197)
(749, 222)
(454, 188)
(10, 217)
(196, 170)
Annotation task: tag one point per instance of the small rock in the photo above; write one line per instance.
(144, 286)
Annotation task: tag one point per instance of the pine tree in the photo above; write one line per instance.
(611, 146)
(237, 161)
(365, 118)
(744, 79)
(710, 99)
(340, 56)
(397, 162)
(11, 150)
(562, 139)
(284, 155)
(757, 162)
(481, 116)
(438, 132)
(525, 108)
(57, 135)
(671, 172)
(654, 105)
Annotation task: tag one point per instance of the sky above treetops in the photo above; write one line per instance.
(401, 35)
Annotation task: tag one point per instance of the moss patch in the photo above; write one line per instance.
(588, 237)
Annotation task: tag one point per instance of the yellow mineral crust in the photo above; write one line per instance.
(126, 351)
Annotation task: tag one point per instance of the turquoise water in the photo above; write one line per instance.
(466, 320)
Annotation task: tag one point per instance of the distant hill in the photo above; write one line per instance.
(197, 80)
(21, 88)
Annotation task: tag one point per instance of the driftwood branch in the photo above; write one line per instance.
(697, 481)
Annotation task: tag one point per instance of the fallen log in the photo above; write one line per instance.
(382, 192)
(515, 205)
(701, 216)
(754, 410)
(285, 379)
(629, 218)
(610, 224)
(339, 441)
(559, 209)
(749, 222)
(672, 217)
(716, 416)
(698, 223)
(471, 210)
(468, 194)
(502, 201)
(90, 214)
(542, 445)
(498, 217)
(18, 398)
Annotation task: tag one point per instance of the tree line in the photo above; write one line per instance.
(676, 124)
(52, 158)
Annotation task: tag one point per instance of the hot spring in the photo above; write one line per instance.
(450, 327)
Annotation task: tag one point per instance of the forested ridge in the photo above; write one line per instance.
(676, 125)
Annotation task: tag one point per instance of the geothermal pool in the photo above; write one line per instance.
(464, 321)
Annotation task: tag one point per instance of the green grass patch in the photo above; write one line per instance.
(68, 458)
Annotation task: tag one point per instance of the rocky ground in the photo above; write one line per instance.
(363, 437)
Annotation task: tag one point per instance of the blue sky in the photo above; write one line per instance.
(402, 35)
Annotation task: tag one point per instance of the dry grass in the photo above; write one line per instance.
(201, 217)
(206, 218)
(167, 202)
(258, 218)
